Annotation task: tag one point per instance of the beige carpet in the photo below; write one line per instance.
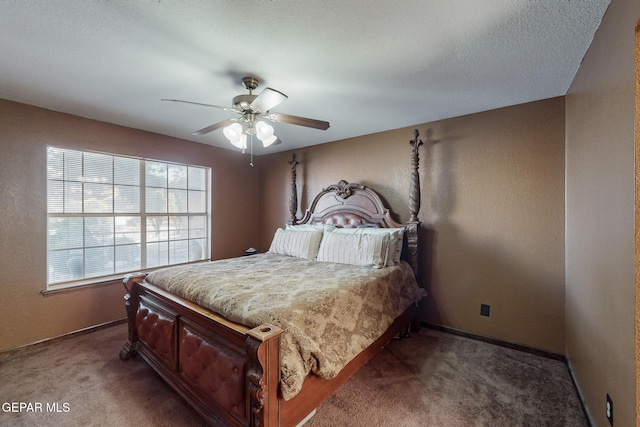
(430, 379)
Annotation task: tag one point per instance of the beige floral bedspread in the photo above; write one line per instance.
(329, 312)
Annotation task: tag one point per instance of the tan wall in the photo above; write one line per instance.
(28, 316)
(637, 233)
(600, 218)
(492, 191)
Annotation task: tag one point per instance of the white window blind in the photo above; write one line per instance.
(109, 215)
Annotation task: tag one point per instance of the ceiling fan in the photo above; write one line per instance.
(252, 108)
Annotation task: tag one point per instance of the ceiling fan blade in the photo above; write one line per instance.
(214, 126)
(202, 105)
(268, 99)
(299, 121)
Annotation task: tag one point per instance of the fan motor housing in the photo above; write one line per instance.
(242, 102)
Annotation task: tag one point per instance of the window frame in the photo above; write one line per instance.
(143, 213)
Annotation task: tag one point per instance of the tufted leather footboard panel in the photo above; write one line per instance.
(156, 329)
(213, 369)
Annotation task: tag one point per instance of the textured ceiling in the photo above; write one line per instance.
(364, 66)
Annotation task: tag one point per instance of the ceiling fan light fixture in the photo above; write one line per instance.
(264, 131)
(252, 107)
(236, 135)
(233, 132)
(269, 141)
(240, 142)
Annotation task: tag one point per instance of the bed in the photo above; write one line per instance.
(249, 356)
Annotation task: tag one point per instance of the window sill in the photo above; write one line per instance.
(61, 289)
(103, 281)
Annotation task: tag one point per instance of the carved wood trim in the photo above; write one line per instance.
(414, 185)
(412, 230)
(343, 188)
(413, 225)
(256, 387)
(263, 374)
(293, 191)
(132, 301)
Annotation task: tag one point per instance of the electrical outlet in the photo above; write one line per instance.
(485, 309)
(609, 409)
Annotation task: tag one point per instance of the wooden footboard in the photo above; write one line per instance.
(229, 373)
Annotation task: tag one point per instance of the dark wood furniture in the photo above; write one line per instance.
(229, 372)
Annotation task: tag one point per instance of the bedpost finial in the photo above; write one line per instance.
(415, 142)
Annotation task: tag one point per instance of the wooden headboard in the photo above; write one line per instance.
(350, 205)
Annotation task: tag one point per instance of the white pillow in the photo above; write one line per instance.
(396, 239)
(298, 243)
(357, 249)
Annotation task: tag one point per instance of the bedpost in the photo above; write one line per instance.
(293, 192)
(414, 203)
(414, 187)
(131, 305)
(263, 374)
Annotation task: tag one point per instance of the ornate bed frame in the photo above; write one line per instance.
(230, 373)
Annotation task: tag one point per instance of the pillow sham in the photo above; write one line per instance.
(369, 250)
(298, 243)
(396, 239)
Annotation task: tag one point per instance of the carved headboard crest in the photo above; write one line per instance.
(343, 188)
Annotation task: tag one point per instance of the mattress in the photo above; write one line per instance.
(329, 312)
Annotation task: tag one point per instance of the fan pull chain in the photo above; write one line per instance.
(251, 149)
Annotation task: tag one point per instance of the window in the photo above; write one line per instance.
(109, 215)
